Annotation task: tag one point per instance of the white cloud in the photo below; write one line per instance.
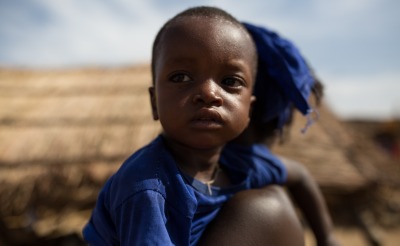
(88, 32)
(364, 96)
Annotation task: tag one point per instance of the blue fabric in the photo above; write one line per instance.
(283, 76)
(207, 209)
(270, 169)
(210, 204)
(146, 202)
(149, 202)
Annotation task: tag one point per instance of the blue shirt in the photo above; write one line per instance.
(149, 202)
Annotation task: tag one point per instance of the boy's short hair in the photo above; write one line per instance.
(202, 11)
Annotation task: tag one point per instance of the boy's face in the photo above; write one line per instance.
(203, 82)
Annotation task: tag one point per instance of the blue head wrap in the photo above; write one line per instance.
(283, 77)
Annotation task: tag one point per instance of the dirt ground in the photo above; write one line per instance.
(355, 237)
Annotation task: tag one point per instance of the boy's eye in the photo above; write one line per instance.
(180, 78)
(232, 82)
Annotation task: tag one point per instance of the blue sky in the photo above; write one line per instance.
(352, 44)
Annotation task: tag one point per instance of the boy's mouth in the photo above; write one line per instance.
(207, 119)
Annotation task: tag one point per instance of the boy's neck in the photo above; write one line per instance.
(198, 163)
(251, 136)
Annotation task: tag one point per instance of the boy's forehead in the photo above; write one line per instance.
(194, 23)
(207, 29)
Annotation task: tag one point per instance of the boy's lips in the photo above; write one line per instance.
(207, 118)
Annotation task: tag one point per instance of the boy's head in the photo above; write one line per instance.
(203, 67)
(207, 13)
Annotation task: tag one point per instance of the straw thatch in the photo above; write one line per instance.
(324, 150)
(63, 133)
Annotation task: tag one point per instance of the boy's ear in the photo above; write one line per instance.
(252, 101)
(153, 102)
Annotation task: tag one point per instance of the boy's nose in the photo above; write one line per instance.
(208, 93)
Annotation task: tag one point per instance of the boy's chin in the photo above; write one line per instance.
(203, 143)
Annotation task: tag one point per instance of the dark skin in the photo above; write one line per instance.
(308, 197)
(202, 91)
(256, 217)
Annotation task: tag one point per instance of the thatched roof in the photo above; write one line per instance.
(342, 159)
(63, 133)
(325, 150)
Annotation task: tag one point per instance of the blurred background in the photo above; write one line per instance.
(74, 105)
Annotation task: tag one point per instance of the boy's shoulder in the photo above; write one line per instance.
(145, 169)
(144, 162)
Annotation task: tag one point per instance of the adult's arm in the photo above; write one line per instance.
(309, 199)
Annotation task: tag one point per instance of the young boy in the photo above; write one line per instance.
(203, 67)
